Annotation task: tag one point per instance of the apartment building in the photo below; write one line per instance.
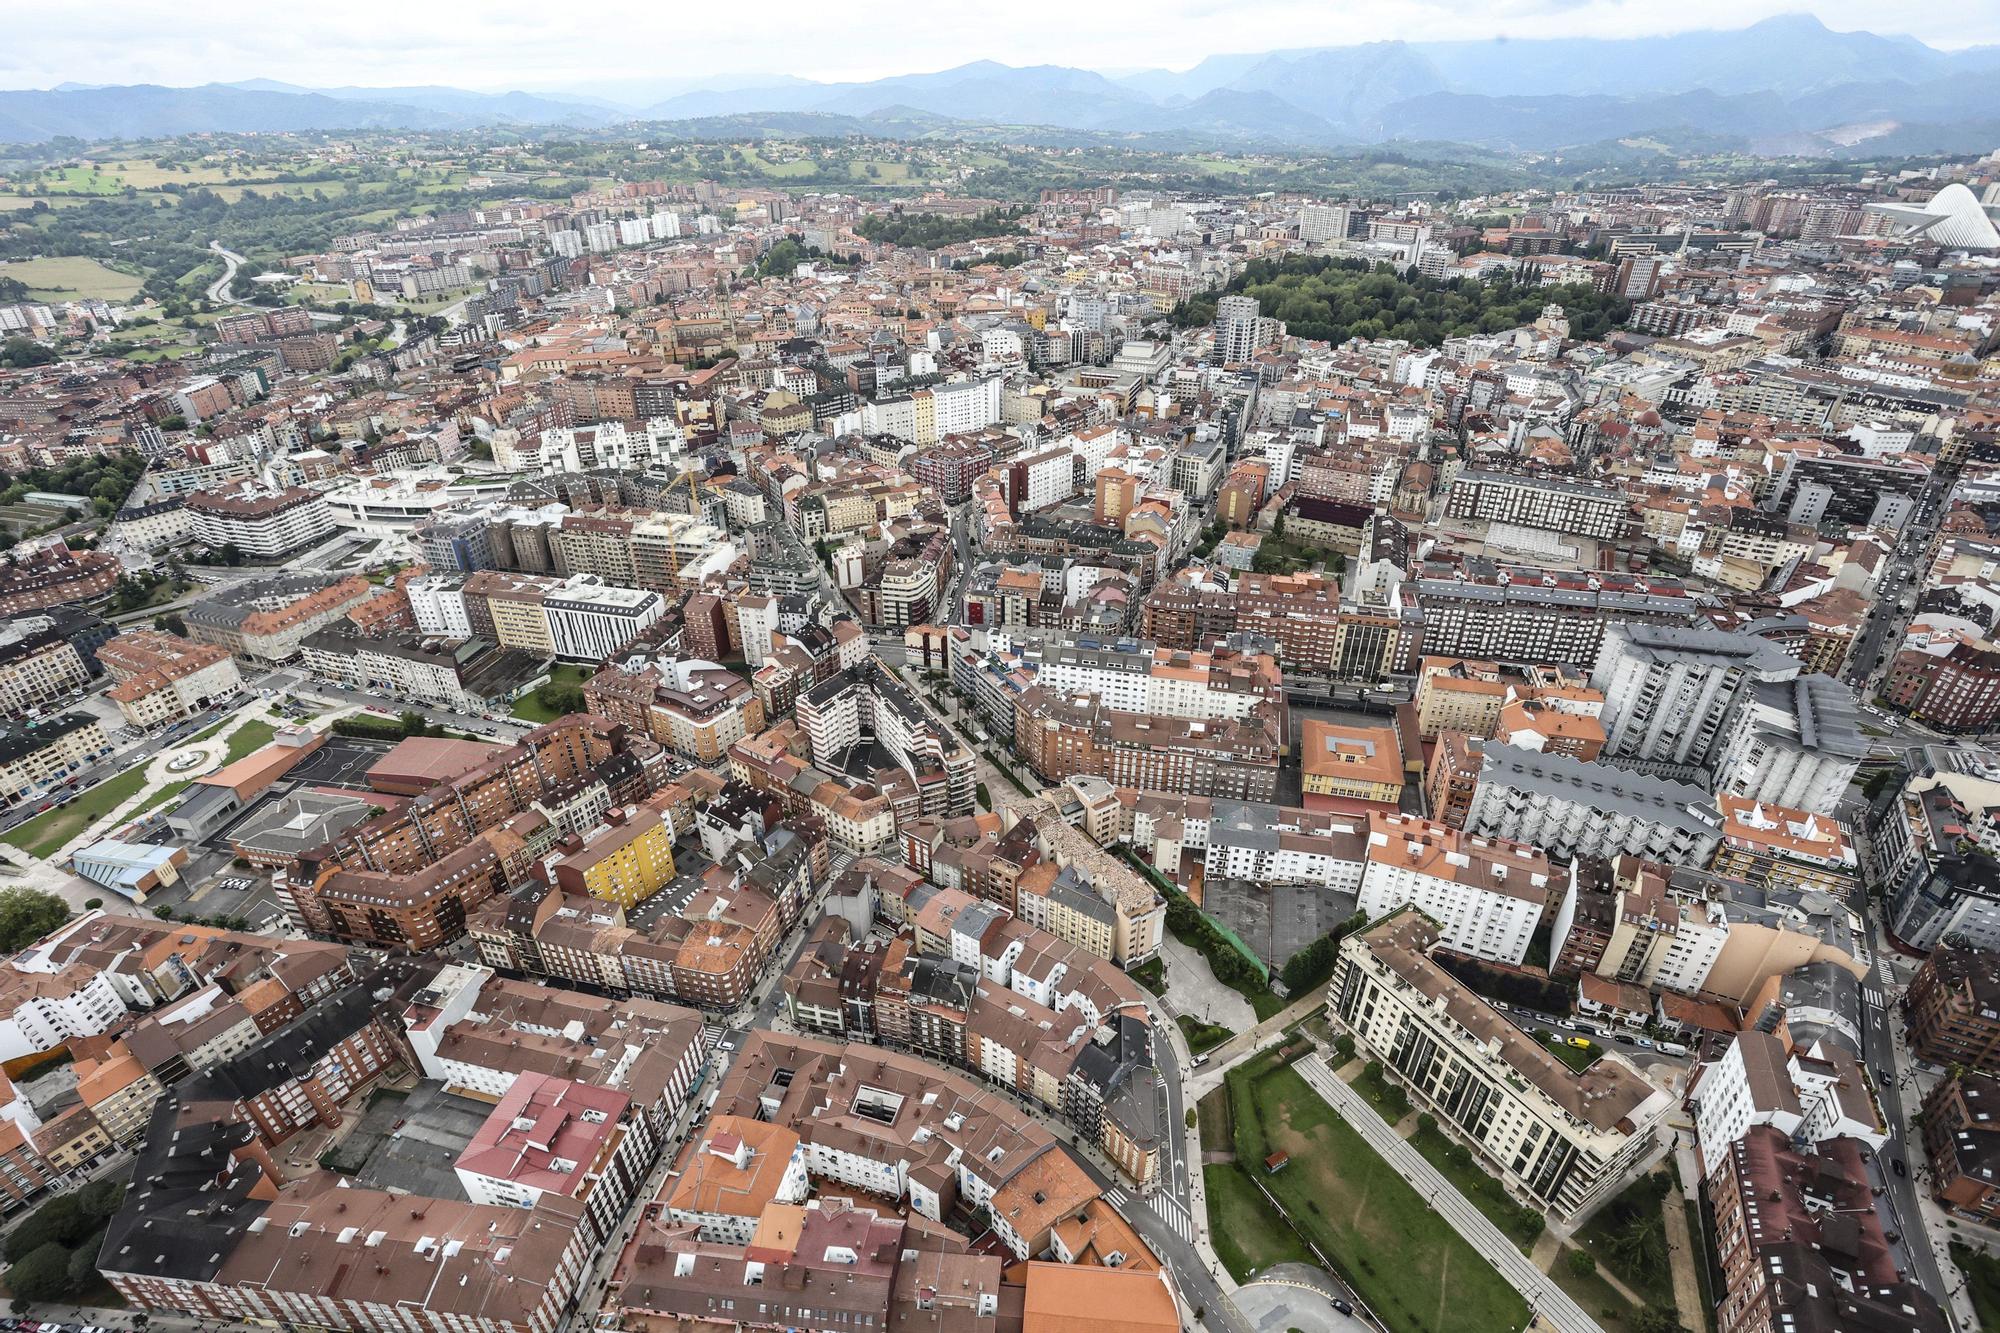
(1771, 845)
(1669, 692)
(1961, 1128)
(694, 708)
(1801, 1244)
(1573, 808)
(263, 525)
(1638, 922)
(869, 703)
(162, 677)
(1136, 676)
(1809, 1095)
(37, 756)
(266, 620)
(1531, 615)
(1486, 897)
(729, 1173)
(1794, 743)
(240, 1243)
(1242, 840)
(39, 665)
(1953, 1008)
(1549, 504)
(1458, 694)
(625, 860)
(1230, 757)
(45, 572)
(481, 1034)
(897, 1126)
(1561, 1140)
(589, 620)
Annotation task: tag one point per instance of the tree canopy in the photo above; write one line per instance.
(28, 914)
(1332, 300)
(931, 230)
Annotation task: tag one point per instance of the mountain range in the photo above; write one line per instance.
(1785, 85)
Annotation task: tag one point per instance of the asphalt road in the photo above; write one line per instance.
(1914, 1253)
(1903, 575)
(219, 290)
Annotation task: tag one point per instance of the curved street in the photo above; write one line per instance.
(220, 291)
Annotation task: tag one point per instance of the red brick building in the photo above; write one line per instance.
(1957, 692)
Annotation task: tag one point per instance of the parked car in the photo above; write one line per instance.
(1341, 1305)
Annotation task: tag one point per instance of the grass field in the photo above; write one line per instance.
(71, 277)
(1389, 1101)
(9, 202)
(530, 709)
(1629, 1238)
(1982, 1281)
(1249, 1235)
(1598, 1298)
(886, 172)
(45, 834)
(1486, 1193)
(1409, 1265)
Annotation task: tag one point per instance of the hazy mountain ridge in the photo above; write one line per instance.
(1786, 81)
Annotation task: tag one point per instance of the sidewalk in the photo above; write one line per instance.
(1550, 1303)
(1937, 1235)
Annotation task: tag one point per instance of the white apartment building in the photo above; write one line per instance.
(1668, 691)
(55, 1009)
(1815, 1094)
(1560, 1140)
(1486, 896)
(589, 620)
(1795, 743)
(261, 524)
(437, 606)
(1572, 807)
(1134, 676)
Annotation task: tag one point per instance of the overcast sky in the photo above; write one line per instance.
(496, 45)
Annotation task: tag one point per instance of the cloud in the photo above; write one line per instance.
(504, 44)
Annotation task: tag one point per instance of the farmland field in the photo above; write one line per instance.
(71, 277)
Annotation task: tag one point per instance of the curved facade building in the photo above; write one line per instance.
(1953, 218)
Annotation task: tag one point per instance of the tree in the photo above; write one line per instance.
(560, 699)
(28, 914)
(21, 353)
(1582, 1262)
(42, 1275)
(1653, 1319)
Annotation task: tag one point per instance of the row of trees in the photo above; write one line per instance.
(1312, 966)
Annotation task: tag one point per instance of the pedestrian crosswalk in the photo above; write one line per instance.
(711, 1033)
(1165, 1206)
(1174, 1215)
(1873, 996)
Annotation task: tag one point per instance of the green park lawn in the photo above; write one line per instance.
(46, 833)
(1417, 1273)
(1249, 1235)
(529, 708)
